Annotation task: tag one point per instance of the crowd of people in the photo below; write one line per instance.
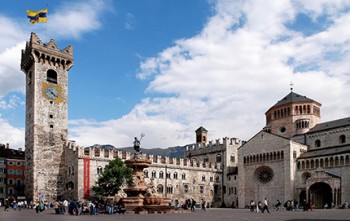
(190, 204)
(15, 205)
(259, 207)
(71, 207)
(289, 205)
(74, 207)
(88, 207)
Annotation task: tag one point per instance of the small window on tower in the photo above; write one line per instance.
(51, 126)
(51, 116)
(51, 76)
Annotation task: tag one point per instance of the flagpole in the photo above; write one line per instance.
(47, 20)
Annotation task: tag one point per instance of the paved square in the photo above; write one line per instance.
(215, 214)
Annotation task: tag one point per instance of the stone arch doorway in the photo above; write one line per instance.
(320, 194)
(302, 197)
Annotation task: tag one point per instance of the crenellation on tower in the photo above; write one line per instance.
(50, 54)
(218, 145)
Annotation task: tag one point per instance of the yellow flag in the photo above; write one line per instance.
(37, 16)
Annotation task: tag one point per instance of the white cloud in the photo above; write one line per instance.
(129, 21)
(227, 76)
(12, 135)
(120, 132)
(75, 19)
(12, 102)
(242, 62)
(12, 78)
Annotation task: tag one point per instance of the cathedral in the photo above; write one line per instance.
(294, 157)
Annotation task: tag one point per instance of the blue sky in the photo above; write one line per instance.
(164, 68)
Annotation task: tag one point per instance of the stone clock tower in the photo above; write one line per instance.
(46, 69)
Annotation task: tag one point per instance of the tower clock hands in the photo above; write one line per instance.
(53, 94)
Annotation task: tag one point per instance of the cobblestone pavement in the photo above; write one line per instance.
(214, 214)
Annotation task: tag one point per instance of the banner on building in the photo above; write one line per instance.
(86, 178)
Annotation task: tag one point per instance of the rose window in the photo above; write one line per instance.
(264, 174)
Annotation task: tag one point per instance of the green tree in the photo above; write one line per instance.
(112, 178)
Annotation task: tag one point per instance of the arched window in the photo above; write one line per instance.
(206, 159)
(161, 174)
(186, 189)
(145, 173)
(168, 175)
(201, 189)
(169, 189)
(11, 191)
(51, 76)
(203, 178)
(342, 139)
(10, 182)
(154, 174)
(99, 170)
(70, 185)
(218, 158)
(175, 176)
(160, 188)
(183, 176)
(317, 143)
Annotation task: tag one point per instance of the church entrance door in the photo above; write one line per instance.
(320, 194)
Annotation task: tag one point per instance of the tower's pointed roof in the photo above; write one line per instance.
(201, 129)
(293, 97)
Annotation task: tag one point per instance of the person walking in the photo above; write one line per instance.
(7, 206)
(204, 208)
(252, 206)
(266, 206)
(278, 205)
(193, 205)
(65, 206)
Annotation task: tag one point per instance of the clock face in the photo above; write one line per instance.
(52, 92)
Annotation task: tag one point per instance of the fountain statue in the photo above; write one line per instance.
(142, 198)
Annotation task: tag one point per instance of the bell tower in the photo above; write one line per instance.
(46, 69)
(201, 135)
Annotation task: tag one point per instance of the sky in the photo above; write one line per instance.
(165, 68)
